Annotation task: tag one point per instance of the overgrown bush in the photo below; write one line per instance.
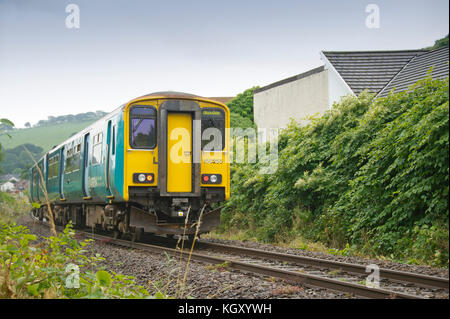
(370, 173)
(242, 105)
(12, 207)
(58, 267)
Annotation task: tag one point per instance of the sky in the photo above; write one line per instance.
(127, 48)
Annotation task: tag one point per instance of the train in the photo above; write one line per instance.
(157, 164)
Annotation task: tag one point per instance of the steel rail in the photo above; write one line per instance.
(395, 275)
(296, 277)
(291, 276)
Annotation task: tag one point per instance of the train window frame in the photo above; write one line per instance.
(40, 166)
(68, 167)
(143, 117)
(97, 145)
(223, 130)
(76, 157)
(113, 147)
(35, 179)
(53, 167)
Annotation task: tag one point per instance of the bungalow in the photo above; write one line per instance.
(344, 73)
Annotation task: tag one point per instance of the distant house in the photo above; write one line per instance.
(10, 177)
(7, 187)
(344, 73)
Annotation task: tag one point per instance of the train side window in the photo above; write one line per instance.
(97, 149)
(113, 148)
(35, 179)
(76, 161)
(41, 168)
(143, 127)
(53, 166)
(213, 129)
(69, 160)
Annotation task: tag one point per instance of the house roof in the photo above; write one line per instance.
(379, 71)
(291, 79)
(8, 177)
(371, 70)
(417, 69)
(222, 99)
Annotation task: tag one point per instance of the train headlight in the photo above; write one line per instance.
(146, 178)
(211, 179)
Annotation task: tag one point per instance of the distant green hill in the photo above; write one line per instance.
(44, 136)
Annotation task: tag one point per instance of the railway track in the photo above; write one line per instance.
(291, 275)
(357, 269)
(291, 268)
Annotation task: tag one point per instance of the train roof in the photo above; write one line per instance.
(177, 95)
(171, 94)
(163, 94)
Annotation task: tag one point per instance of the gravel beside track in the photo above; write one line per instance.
(438, 272)
(203, 281)
(157, 272)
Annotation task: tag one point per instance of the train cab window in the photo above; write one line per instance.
(213, 129)
(143, 127)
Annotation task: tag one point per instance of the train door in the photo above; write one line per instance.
(108, 160)
(61, 173)
(86, 166)
(179, 152)
(35, 185)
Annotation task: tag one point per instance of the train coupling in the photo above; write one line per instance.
(180, 207)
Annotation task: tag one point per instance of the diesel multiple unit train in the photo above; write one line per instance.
(155, 164)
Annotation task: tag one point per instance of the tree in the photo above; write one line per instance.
(4, 123)
(27, 125)
(17, 160)
(439, 43)
(242, 104)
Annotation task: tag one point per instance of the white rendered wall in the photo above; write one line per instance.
(337, 88)
(274, 107)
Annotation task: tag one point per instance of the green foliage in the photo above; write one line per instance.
(440, 43)
(242, 105)
(70, 118)
(237, 120)
(370, 174)
(17, 160)
(12, 207)
(43, 136)
(59, 267)
(5, 125)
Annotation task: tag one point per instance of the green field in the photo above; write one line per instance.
(45, 137)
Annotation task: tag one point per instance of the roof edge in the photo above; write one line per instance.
(331, 67)
(291, 79)
(379, 51)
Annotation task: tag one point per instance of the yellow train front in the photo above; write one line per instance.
(151, 165)
(175, 162)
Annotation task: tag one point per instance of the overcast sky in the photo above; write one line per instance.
(127, 48)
